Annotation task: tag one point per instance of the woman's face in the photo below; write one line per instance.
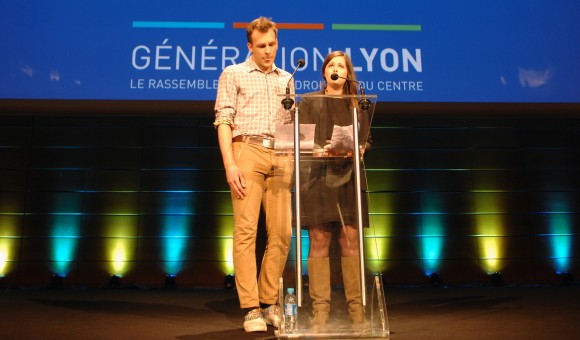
(336, 65)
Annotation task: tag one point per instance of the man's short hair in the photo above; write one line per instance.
(261, 24)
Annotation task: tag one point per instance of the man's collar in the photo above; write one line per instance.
(252, 66)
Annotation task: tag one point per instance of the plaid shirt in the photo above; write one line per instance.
(247, 99)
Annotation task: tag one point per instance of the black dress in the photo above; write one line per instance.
(328, 183)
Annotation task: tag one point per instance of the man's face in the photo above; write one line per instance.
(263, 47)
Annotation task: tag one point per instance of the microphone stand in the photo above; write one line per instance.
(288, 102)
(364, 103)
(298, 230)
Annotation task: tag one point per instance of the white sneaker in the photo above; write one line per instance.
(253, 321)
(272, 315)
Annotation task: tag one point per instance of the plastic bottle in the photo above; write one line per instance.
(290, 311)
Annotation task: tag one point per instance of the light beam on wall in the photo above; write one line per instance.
(490, 224)
(8, 242)
(305, 249)
(64, 242)
(3, 257)
(225, 231)
(560, 241)
(176, 227)
(65, 221)
(432, 240)
(432, 233)
(377, 239)
(560, 227)
(226, 245)
(179, 208)
(490, 241)
(119, 258)
(120, 244)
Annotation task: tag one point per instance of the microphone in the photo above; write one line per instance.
(288, 102)
(364, 102)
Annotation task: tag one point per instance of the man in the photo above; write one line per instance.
(247, 110)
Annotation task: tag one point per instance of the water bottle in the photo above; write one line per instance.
(290, 311)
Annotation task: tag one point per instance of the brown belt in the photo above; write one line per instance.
(257, 140)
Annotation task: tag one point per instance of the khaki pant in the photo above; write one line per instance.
(268, 180)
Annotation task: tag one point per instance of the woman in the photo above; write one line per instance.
(328, 189)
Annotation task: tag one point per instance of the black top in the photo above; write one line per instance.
(328, 183)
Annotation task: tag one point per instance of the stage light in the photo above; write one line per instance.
(435, 280)
(230, 281)
(120, 242)
(56, 282)
(176, 234)
(64, 241)
(114, 282)
(496, 279)
(432, 234)
(226, 250)
(170, 282)
(566, 278)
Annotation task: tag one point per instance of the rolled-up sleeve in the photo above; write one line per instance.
(227, 94)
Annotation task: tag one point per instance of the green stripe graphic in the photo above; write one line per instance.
(362, 27)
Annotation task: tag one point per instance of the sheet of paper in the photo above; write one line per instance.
(285, 137)
(342, 140)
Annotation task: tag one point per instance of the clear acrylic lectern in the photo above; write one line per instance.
(330, 185)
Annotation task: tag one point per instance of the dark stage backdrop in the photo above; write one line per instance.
(142, 197)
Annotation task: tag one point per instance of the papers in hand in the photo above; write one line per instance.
(285, 137)
(342, 139)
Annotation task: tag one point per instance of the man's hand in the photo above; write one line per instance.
(234, 175)
(236, 181)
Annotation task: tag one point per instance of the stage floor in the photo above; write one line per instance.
(508, 312)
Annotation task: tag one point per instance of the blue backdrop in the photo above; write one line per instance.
(404, 50)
